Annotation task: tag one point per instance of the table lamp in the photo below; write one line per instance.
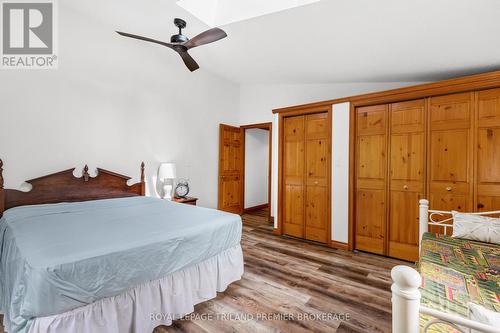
(167, 174)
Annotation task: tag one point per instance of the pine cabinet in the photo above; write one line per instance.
(444, 148)
(406, 177)
(487, 154)
(390, 177)
(371, 173)
(306, 176)
(450, 152)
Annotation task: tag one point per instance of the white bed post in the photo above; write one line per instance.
(423, 220)
(405, 299)
(406, 280)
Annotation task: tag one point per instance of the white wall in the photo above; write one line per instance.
(256, 167)
(257, 102)
(340, 173)
(112, 103)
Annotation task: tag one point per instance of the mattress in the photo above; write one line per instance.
(58, 257)
(456, 272)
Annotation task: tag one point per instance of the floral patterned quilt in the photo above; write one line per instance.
(455, 272)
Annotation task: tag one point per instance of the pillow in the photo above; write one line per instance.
(476, 227)
(483, 315)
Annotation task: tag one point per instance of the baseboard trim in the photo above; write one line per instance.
(339, 245)
(255, 208)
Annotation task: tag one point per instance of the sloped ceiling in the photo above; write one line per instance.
(329, 41)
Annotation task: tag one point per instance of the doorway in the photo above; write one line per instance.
(257, 150)
(245, 168)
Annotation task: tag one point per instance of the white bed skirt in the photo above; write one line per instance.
(154, 303)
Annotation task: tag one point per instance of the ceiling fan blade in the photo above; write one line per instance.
(206, 37)
(189, 61)
(125, 34)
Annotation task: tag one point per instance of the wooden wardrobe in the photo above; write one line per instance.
(445, 148)
(306, 176)
(390, 169)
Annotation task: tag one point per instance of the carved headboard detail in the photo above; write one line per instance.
(64, 187)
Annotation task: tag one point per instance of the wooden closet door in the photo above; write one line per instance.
(488, 151)
(317, 176)
(293, 176)
(406, 177)
(371, 178)
(451, 152)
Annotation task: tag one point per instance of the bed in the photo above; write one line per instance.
(457, 286)
(456, 272)
(93, 254)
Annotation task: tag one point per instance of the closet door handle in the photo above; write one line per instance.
(405, 187)
(316, 183)
(449, 188)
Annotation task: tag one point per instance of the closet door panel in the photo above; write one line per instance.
(317, 162)
(407, 157)
(488, 110)
(407, 177)
(451, 153)
(450, 156)
(450, 202)
(317, 176)
(371, 178)
(451, 111)
(294, 166)
(403, 225)
(371, 120)
(317, 126)
(370, 220)
(488, 154)
(408, 117)
(317, 213)
(294, 206)
(371, 161)
(293, 173)
(488, 151)
(450, 145)
(488, 203)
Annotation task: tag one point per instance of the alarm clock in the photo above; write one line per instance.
(182, 188)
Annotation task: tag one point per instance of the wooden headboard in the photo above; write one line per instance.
(64, 187)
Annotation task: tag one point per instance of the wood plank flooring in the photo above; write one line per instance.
(288, 278)
(296, 278)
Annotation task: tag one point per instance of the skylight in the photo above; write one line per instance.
(222, 12)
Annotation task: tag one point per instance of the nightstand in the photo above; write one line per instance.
(186, 200)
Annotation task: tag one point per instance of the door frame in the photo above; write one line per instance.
(268, 127)
(281, 131)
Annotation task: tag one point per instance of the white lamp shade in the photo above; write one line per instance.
(167, 171)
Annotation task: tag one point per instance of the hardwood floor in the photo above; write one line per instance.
(291, 278)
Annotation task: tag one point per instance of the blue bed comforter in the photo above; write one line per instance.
(58, 257)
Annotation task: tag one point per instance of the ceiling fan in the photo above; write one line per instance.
(181, 44)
